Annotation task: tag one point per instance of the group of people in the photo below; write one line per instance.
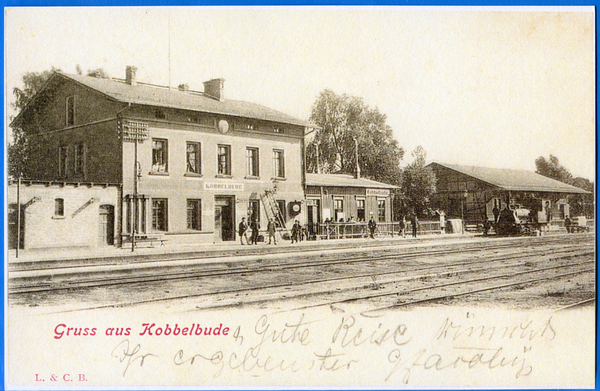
(271, 231)
(414, 222)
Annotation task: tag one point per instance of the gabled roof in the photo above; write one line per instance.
(344, 180)
(514, 180)
(147, 94)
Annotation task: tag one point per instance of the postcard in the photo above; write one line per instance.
(300, 197)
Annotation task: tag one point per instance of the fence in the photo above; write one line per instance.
(349, 230)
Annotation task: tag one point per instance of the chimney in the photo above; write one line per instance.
(214, 89)
(183, 87)
(130, 75)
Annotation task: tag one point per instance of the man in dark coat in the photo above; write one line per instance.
(242, 228)
(372, 226)
(414, 221)
(254, 226)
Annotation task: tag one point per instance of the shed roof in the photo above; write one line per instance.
(344, 180)
(514, 180)
(148, 94)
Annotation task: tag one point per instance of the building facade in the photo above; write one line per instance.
(190, 164)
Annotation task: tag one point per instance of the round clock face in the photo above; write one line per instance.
(223, 126)
(296, 208)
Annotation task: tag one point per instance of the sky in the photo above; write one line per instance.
(494, 87)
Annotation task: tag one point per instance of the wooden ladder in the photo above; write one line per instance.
(273, 212)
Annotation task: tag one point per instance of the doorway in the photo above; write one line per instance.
(107, 225)
(224, 218)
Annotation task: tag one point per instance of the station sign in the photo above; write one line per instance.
(378, 192)
(133, 130)
(223, 186)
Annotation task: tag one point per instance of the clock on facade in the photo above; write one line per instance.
(223, 126)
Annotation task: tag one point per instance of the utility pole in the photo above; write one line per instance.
(18, 215)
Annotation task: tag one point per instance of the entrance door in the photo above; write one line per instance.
(224, 219)
(107, 225)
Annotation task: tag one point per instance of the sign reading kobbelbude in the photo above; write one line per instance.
(378, 192)
(223, 186)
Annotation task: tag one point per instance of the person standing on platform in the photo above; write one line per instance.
(568, 224)
(402, 227)
(254, 226)
(271, 231)
(242, 228)
(296, 231)
(372, 226)
(414, 221)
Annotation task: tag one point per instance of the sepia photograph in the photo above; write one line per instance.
(355, 197)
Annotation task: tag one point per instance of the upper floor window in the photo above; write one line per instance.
(160, 158)
(278, 130)
(224, 160)
(252, 162)
(62, 161)
(193, 158)
(278, 164)
(59, 207)
(70, 110)
(79, 159)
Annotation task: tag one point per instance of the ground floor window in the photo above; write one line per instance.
(254, 210)
(360, 210)
(281, 205)
(194, 214)
(159, 214)
(381, 209)
(338, 209)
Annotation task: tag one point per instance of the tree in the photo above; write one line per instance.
(342, 120)
(418, 182)
(551, 168)
(18, 150)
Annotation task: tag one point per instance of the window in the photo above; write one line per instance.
(254, 210)
(249, 127)
(224, 160)
(278, 164)
(70, 111)
(360, 210)
(193, 158)
(278, 130)
(159, 155)
(194, 214)
(281, 205)
(62, 161)
(59, 207)
(159, 214)
(252, 162)
(381, 209)
(160, 114)
(338, 209)
(79, 159)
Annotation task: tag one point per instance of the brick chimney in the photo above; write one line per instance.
(130, 72)
(214, 89)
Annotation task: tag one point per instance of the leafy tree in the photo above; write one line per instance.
(551, 168)
(344, 119)
(18, 150)
(418, 183)
(99, 72)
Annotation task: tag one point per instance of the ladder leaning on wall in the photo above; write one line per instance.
(273, 212)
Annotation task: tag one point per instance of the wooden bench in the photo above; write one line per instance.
(145, 239)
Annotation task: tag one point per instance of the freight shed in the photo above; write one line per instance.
(477, 193)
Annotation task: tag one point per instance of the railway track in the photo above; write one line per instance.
(68, 279)
(335, 281)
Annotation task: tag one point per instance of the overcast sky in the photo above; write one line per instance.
(488, 87)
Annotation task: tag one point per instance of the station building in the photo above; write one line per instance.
(472, 193)
(189, 165)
